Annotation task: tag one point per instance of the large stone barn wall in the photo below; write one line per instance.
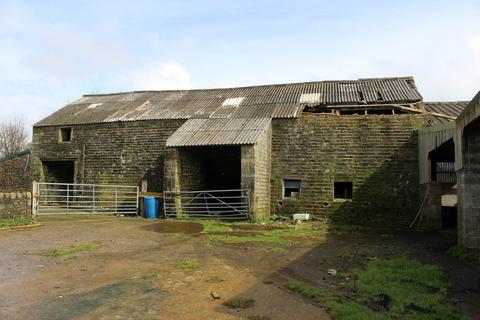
(377, 153)
(110, 153)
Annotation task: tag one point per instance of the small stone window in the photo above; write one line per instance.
(291, 188)
(342, 190)
(65, 134)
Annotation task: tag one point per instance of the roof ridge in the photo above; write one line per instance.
(450, 101)
(253, 86)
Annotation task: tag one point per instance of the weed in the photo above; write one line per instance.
(13, 222)
(188, 264)
(82, 247)
(346, 254)
(464, 254)
(239, 303)
(399, 288)
(279, 250)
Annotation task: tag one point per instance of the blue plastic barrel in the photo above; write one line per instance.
(151, 207)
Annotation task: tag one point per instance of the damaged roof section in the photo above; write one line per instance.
(213, 132)
(271, 101)
(447, 111)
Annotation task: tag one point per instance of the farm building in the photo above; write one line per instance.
(347, 150)
(449, 168)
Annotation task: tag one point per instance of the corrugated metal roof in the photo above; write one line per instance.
(448, 108)
(208, 132)
(274, 101)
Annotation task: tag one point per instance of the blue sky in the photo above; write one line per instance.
(52, 52)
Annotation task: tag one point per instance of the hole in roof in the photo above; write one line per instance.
(310, 97)
(379, 96)
(94, 105)
(232, 102)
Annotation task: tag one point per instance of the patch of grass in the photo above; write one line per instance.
(188, 264)
(265, 238)
(464, 254)
(279, 250)
(399, 288)
(279, 236)
(214, 226)
(239, 303)
(82, 247)
(214, 279)
(13, 222)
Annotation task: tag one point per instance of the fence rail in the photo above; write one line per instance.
(208, 204)
(72, 198)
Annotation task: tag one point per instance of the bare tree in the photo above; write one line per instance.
(13, 137)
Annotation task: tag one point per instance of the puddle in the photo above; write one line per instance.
(131, 298)
(175, 227)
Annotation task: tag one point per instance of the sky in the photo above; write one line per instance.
(53, 52)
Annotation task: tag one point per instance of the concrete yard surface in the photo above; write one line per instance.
(131, 268)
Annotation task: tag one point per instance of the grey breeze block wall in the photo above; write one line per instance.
(111, 153)
(378, 153)
(15, 204)
(469, 189)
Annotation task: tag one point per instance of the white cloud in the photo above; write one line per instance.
(155, 75)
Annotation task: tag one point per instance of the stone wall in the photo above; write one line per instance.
(111, 153)
(263, 151)
(468, 181)
(17, 174)
(15, 204)
(377, 153)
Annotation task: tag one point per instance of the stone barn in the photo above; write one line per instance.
(344, 150)
(449, 165)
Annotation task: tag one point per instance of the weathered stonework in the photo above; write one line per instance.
(15, 205)
(377, 153)
(468, 181)
(111, 153)
(17, 174)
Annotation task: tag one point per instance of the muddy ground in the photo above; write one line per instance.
(135, 273)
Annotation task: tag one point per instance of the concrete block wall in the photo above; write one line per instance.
(15, 205)
(377, 153)
(111, 153)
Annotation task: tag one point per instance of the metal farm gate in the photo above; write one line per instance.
(72, 198)
(209, 204)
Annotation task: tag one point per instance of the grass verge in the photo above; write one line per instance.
(399, 288)
(188, 264)
(82, 247)
(14, 222)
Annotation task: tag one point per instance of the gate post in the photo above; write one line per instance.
(34, 199)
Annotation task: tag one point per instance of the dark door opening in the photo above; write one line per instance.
(59, 171)
(223, 168)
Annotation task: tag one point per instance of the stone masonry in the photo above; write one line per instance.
(15, 205)
(469, 189)
(377, 153)
(110, 153)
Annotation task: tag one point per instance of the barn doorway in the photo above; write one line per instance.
(442, 166)
(209, 184)
(210, 168)
(59, 171)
